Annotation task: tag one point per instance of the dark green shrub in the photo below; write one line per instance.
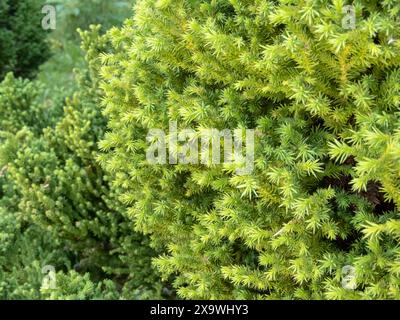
(22, 40)
(24, 250)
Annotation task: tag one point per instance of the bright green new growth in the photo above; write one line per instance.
(325, 192)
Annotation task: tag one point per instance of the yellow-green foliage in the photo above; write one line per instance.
(325, 102)
(317, 218)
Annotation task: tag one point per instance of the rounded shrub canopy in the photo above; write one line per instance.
(322, 95)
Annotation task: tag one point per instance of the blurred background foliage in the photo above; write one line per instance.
(57, 72)
(22, 40)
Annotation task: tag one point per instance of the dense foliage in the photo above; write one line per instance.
(324, 101)
(56, 207)
(77, 192)
(63, 190)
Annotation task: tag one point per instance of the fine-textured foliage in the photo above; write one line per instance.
(24, 251)
(73, 286)
(52, 184)
(324, 101)
(25, 248)
(21, 106)
(317, 218)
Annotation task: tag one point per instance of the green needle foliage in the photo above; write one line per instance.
(324, 101)
(73, 286)
(53, 184)
(24, 248)
(21, 106)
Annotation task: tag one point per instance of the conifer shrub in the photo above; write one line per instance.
(24, 250)
(23, 46)
(52, 185)
(24, 247)
(21, 106)
(74, 286)
(324, 100)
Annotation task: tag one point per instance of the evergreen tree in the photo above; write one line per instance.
(324, 100)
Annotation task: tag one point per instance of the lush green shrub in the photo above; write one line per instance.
(73, 286)
(55, 204)
(61, 189)
(24, 250)
(324, 195)
(22, 40)
(324, 101)
(21, 106)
